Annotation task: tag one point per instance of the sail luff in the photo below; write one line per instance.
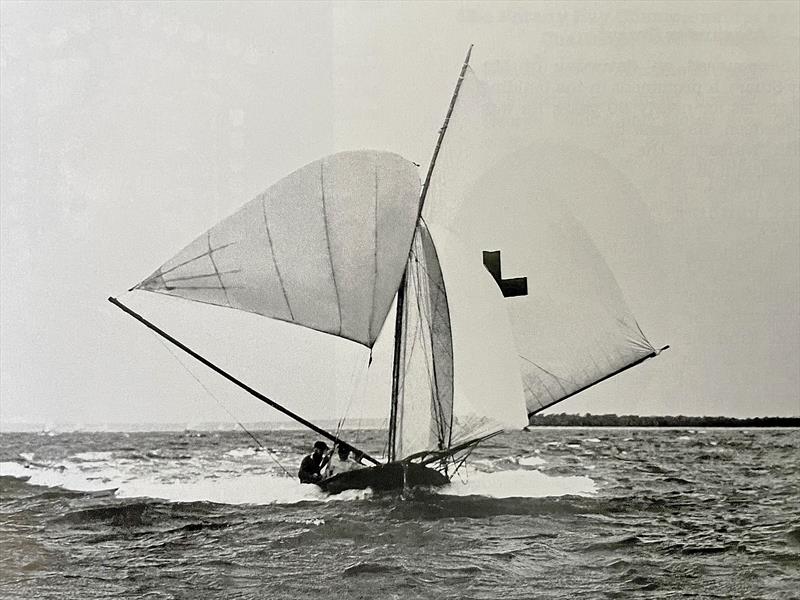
(238, 382)
(635, 363)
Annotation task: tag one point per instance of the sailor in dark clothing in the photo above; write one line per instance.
(313, 463)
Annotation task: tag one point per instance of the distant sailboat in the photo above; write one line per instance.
(333, 245)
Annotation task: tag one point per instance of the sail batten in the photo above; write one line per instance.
(323, 248)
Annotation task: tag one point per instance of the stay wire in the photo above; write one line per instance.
(269, 452)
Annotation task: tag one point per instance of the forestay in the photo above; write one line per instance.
(324, 248)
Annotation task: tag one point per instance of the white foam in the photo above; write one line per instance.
(593, 440)
(241, 452)
(93, 456)
(531, 461)
(246, 489)
(65, 478)
(26, 455)
(177, 483)
(519, 484)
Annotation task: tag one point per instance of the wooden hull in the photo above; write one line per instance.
(384, 478)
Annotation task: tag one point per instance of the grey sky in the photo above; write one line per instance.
(128, 129)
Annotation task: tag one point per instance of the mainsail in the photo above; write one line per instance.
(324, 247)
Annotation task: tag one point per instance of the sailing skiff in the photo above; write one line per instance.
(334, 245)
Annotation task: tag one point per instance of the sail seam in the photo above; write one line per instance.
(161, 272)
(328, 240)
(216, 270)
(274, 258)
(553, 375)
(375, 257)
(204, 287)
(203, 276)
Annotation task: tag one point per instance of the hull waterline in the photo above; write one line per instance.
(394, 476)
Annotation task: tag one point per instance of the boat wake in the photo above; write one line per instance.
(222, 486)
(518, 483)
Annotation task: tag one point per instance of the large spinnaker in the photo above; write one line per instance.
(324, 248)
(571, 325)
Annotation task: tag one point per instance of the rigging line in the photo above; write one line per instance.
(357, 388)
(423, 324)
(357, 374)
(425, 317)
(436, 285)
(223, 407)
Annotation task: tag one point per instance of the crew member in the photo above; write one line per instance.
(342, 462)
(312, 464)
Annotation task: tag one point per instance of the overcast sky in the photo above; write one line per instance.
(130, 128)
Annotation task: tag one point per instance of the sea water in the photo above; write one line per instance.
(551, 513)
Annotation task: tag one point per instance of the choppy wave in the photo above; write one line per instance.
(550, 513)
(265, 488)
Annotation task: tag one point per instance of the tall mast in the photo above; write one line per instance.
(398, 322)
(239, 383)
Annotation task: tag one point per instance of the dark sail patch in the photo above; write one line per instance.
(517, 286)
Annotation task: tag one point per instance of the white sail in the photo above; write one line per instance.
(324, 247)
(571, 325)
(458, 369)
(425, 388)
(488, 393)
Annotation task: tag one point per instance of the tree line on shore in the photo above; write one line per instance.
(613, 420)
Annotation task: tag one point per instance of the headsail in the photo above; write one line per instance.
(458, 372)
(425, 374)
(324, 247)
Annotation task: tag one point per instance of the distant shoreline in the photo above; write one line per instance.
(589, 420)
(537, 421)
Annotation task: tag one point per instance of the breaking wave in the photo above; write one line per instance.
(95, 472)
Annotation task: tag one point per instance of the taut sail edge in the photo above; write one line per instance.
(238, 382)
(635, 363)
